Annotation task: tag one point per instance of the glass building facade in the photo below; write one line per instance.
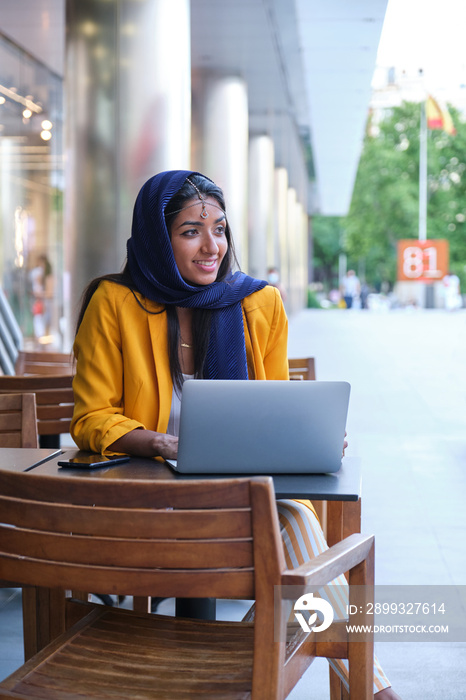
(31, 194)
(96, 97)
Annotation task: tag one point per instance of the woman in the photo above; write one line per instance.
(177, 311)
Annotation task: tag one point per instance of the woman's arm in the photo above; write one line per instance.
(276, 355)
(146, 443)
(266, 334)
(103, 419)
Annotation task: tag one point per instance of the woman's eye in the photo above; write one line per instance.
(220, 230)
(191, 232)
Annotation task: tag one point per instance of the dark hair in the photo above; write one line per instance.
(201, 318)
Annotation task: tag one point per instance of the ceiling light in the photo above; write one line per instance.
(46, 124)
(27, 113)
(12, 94)
(45, 135)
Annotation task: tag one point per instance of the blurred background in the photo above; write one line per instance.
(337, 130)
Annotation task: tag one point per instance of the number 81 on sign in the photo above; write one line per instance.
(422, 261)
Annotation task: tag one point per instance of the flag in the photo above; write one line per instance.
(439, 117)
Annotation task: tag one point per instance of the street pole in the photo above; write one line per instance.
(422, 234)
(423, 174)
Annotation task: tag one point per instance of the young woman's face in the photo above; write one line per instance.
(199, 245)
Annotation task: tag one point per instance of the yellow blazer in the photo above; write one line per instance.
(123, 378)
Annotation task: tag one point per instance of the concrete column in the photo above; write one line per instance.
(11, 194)
(220, 147)
(281, 224)
(261, 205)
(302, 252)
(127, 75)
(14, 231)
(297, 252)
(155, 87)
(291, 236)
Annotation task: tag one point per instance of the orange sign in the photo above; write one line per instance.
(422, 261)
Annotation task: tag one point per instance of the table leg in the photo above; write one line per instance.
(343, 519)
(43, 617)
(49, 441)
(197, 608)
(321, 511)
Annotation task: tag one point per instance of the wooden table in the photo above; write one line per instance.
(337, 498)
(25, 459)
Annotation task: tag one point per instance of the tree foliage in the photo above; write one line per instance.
(328, 244)
(385, 203)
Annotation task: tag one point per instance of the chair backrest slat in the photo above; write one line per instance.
(188, 524)
(54, 399)
(302, 368)
(150, 553)
(124, 493)
(18, 423)
(36, 362)
(53, 427)
(185, 538)
(179, 583)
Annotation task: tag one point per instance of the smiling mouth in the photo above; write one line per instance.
(208, 264)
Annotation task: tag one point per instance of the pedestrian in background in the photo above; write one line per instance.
(451, 290)
(273, 278)
(350, 288)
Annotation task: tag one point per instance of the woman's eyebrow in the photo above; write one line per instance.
(190, 223)
(200, 223)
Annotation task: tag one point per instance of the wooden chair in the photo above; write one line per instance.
(18, 423)
(37, 362)
(18, 428)
(54, 401)
(302, 368)
(217, 538)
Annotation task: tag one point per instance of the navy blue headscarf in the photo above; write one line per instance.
(154, 271)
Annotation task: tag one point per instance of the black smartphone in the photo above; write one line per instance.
(92, 461)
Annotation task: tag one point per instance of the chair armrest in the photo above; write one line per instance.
(342, 557)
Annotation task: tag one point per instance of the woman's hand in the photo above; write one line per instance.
(146, 443)
(166, 446)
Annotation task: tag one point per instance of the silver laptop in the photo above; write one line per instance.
(261, 427)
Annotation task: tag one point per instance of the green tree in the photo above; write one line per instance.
(328, 236)
(385, 203)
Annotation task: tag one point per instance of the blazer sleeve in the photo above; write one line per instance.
(98, 418)
(266, 334)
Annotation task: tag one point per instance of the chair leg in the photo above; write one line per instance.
(40, 625)
(141, 604)
(336, 686)
(29, 604)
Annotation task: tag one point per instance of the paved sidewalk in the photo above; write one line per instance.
(407, 423)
